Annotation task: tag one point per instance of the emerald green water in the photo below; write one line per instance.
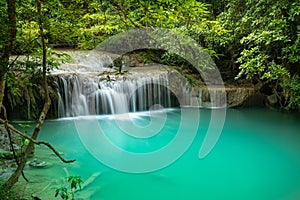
(256, 157)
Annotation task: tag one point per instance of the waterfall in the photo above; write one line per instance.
(91, 95)
(217, 98)
(80, 94)
(83, 91)
(200, 97)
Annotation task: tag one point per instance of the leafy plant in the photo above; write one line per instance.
(69, 192)
(263, 45)
(291, 91)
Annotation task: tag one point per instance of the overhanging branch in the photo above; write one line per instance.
(12, 128)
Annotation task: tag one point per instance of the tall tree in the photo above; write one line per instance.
(9, 30)
(30, 147)
(15, 176)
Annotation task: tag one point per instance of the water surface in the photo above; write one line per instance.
(256, 157)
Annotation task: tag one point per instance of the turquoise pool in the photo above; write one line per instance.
(256, 157)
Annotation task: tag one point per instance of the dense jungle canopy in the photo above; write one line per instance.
(257, 41)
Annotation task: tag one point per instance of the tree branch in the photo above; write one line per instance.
(12, 128)
(13, 150)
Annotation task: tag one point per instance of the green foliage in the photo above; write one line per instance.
(256, 40)
(255, 63)
(26, 71)
(80, 23)
(263, 44)
(165, 14)
(68, 192)
(86, 23)
(291, 91)
(172, 59)
(184, 17)
(54, 59)
(3, 25)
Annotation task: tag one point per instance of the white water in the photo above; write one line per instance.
(82, 91)
(86, 62)
(86, 95)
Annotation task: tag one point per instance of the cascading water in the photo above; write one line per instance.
(86, 95)
(82, 91)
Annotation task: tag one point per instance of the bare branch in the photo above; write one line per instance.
(11, 127)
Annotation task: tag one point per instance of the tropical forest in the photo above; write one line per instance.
(140, 99)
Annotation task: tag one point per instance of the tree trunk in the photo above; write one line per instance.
(14, 178)
(2, 90)
(8, 47)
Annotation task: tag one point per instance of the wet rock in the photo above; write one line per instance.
(244, 97)
(272, 100)
(4, 140)
(38, 164)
